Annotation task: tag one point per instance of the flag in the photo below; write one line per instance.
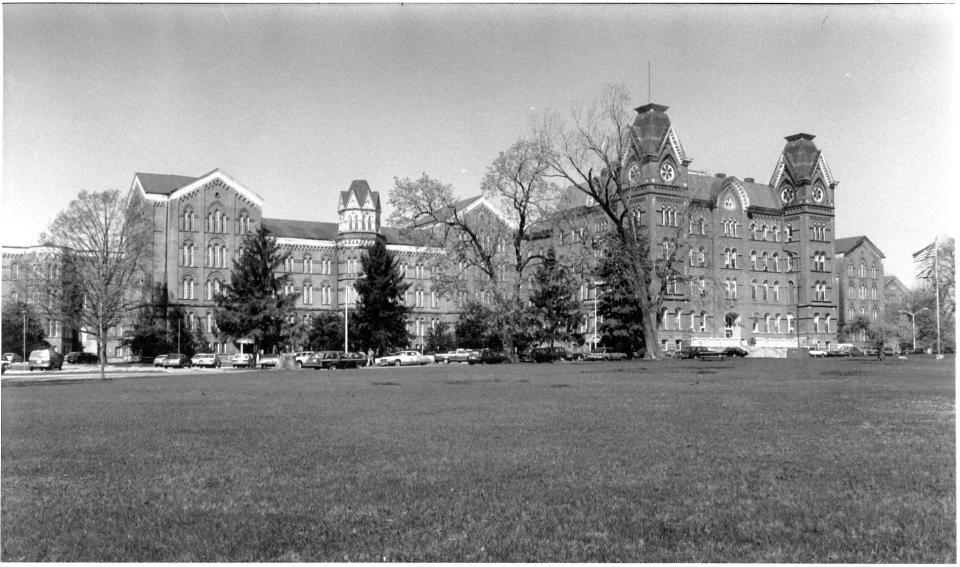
(923, 258)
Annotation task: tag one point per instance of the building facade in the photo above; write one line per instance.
(763, 267)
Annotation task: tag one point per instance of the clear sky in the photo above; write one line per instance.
(295, 101)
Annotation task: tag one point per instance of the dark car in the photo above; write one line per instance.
(81, 358)
(330, 360)
(698, 352)
(549, 354)
(486, 356)
(735, 351)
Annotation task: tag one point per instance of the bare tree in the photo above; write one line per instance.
(486, 248)
(102, 243)
(588, 152)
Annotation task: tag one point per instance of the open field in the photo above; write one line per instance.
(746, 461)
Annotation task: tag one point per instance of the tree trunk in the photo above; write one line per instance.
(650, 337)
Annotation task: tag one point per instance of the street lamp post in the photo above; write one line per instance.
(913, 322)
(596, 330)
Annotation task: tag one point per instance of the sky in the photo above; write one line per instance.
(296, 101)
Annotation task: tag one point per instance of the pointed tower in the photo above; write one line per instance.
(359, 210)
(805, 186)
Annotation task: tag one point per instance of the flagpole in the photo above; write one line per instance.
(936, 290)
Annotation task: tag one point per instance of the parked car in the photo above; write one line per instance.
(269, 361)
(46, 359)
(735, 351)
(486, 356)
(459, 355)
(699, 352)
(549, 354)
(3, 366)
(12, 358)
(817, 353)
(402, 358)
(244, 360)
(205, 360)
(158, 361)
(331, 360)
(176, 360)
(81, 358)
(300, 357)
(604, 353)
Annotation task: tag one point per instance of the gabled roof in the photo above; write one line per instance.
(850, 243)
(708, 188)
(156, 186)
(283, 228)
(162, 183)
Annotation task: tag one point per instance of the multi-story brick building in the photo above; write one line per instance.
(764, 268)
(760, 265)
(861, 283)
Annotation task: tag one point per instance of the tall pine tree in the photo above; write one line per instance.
(381, 315)
(253, 305)
(554, 301)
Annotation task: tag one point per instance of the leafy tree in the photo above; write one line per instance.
(253, 305)
(103, 243)
(554, 301)
(476, 327)
(588, 153)
(939, 277)
(21, 324)
(327, 331)
(381, 315)
(439, 338)
(163, 328)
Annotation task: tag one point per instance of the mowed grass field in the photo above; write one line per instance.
(676, 461)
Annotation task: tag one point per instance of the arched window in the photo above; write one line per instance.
(827, 324)
(766, 323)
(307, 264)
(188, 218)
(187, 291)
(753, 290)
(790, 323)
(212, 289)
(307, 293)
(776, 323)
(733, 258)
(776, 262)
(863, 270)
(243, 223)
(186, 257)
(702, 256)
(766, 289)
(873, 292)
(764, 261)
(873, 271)
(753, 259)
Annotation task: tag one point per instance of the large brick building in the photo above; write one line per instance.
(765, 269)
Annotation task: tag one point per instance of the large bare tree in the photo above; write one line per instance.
(587, 152)
(490, 251)
(102, 243)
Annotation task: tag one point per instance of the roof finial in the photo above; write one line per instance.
(649, 85)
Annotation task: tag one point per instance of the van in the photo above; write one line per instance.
(47, 359)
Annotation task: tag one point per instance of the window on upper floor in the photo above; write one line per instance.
(307, 264)
(187, 219)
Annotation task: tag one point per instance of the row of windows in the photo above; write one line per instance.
(53, 271)
(414, 298)
(418, 271)
(419, 326)
(307, 267)
(216, 254)
(767, 323)
(216, 221)
(853, 310)
(862, 292)
(862, 271)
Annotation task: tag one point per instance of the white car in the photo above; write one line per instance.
(245, 360)
(301, 357)
(402, 358)
(817, 353)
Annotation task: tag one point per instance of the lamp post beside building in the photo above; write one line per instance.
(913, 322)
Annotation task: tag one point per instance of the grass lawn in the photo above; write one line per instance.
(814, 460)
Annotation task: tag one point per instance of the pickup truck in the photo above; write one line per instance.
(459, 355)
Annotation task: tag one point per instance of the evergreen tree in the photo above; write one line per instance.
(253, 305)
(554, 301)
(18, 316)
(381, 315)
(438, 339)
(622, 327)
